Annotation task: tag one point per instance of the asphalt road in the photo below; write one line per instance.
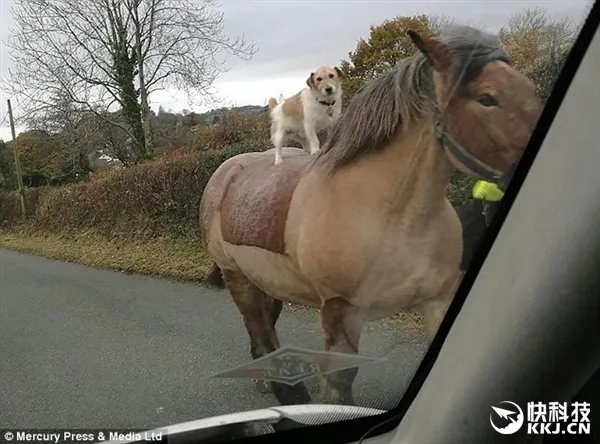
(81, 347)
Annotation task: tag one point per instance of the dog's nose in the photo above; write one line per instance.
(329, 90)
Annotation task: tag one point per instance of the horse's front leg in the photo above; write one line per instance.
(342, 323)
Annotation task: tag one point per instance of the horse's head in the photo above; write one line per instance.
(486, 110)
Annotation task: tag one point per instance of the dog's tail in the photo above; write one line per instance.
(215, 277)
(272, 103)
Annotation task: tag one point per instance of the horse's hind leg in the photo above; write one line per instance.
(260, 313)
(272, 310)
(342, 323)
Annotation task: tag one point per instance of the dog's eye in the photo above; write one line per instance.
(331, 76)
(487, 100)
(319, 79)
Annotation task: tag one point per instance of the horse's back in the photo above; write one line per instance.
(251, 196)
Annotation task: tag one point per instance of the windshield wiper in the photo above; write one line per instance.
(243, 425)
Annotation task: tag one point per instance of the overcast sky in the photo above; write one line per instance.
(294, 37)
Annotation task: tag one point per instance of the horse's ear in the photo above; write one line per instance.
(340, 73)
(436, 52)
(309, 81)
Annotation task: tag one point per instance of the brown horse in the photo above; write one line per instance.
(363, 229)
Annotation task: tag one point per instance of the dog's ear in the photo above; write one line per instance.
(310, 81)
(340, 73)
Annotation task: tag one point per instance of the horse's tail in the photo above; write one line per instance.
(215, 278)
(272, 103)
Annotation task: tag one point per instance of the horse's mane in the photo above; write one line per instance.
(403, 95)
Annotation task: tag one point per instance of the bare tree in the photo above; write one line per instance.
(78, 48)
(440, 21)
(116, 143)
(63, 51)
(177, 43)
(538, 45)
(76, 134)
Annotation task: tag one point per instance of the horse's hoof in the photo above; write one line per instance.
(262, 387)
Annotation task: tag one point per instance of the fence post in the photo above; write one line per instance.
(17, 162)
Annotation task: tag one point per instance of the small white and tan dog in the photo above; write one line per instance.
(304, 115)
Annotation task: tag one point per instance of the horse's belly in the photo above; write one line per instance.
(391, 300)
(403, 298)
(400, 286)
(273, 273)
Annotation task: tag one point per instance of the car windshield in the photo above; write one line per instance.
(210, 209)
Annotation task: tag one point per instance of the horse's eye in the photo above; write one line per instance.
(319, 79)
(487, 100)
(331, 76)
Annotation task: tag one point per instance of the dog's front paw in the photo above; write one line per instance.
(314, 150)
(278, 160)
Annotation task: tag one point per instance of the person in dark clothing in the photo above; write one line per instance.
(475, 216)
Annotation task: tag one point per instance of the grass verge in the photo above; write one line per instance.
(170, 257)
